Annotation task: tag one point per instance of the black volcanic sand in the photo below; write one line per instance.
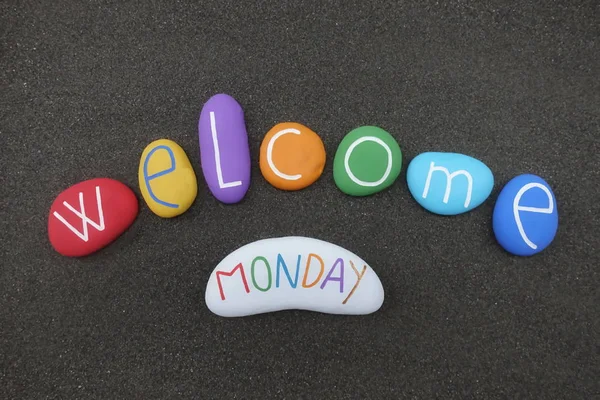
(87, 85)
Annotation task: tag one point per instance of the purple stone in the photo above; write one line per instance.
(224, 149)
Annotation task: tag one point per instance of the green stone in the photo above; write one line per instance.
(367, 161)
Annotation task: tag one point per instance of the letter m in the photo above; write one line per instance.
(81, 214)
(449, 177)
(230, 273)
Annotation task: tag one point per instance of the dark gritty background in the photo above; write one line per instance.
(87, 85)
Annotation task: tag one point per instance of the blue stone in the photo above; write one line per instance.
(525, 218)
(449, 183)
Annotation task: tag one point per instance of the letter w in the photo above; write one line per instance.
(81, 214)
(449, 177)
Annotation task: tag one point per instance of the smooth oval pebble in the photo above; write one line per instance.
(525, 219)
(293, 272)
(89, 215)
(367, 161)
(166, 178)
(224, 149)
(449, 183)
(292, 156)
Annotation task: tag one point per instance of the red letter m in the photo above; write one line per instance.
(230, 273)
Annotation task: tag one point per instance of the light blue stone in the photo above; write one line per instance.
(449, 183)
(525, 218)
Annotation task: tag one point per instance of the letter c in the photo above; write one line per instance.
(270, 155)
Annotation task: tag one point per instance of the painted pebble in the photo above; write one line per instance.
(293, 273)
(367, 161)
(525, 218)
(224, 149)
(166, 178)
(292, 156)
(449, 183)
(90, 215)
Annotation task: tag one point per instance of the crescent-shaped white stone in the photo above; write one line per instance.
(293, 272)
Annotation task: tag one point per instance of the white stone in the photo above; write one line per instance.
(244, 284)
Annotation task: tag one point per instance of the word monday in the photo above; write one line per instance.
(293, 272)
(335, 276)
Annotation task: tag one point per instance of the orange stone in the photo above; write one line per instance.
(292, 156)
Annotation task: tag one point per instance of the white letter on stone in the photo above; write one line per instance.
(81, 214)
(517, 208)
(389, 160)
(213, 129)
(270, 154)
(449, 177)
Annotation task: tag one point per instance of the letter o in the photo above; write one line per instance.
(260, 258)
(349, 153)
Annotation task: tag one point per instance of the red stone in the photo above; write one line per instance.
(90, 230)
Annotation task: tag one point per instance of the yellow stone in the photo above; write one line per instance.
(167, 180)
